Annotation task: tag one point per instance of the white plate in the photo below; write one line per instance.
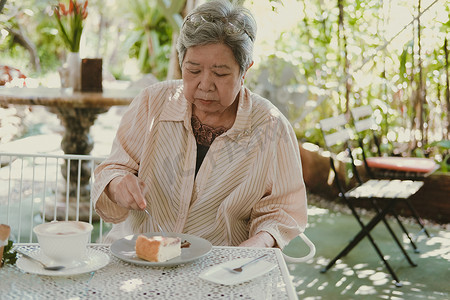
(125, 249)
(220, 273)
(95, 259)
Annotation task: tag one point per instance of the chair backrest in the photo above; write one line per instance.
(364, 123)
(362, 118)
(39, 188)
(338, 137)
(335, 131)
(367, 134)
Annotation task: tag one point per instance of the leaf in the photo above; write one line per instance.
(445, 144)
(9, 256)
(404, 59)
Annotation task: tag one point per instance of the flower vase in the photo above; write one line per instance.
(74, 70)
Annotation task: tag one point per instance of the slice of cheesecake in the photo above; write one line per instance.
(158, 248)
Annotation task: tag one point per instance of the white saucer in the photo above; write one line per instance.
(95, 259)
(220, 273)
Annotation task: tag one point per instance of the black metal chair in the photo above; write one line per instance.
(390, 167)
(381, 194)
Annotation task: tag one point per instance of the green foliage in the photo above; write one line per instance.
(30, 17)
(150, 37)
(381, 64)
(444, 147)
(171, 11)
(319, 61)
(9, 256)
(132, 29)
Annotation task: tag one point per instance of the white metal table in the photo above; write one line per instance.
(122, 280)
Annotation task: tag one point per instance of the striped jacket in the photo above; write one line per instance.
(250, 180)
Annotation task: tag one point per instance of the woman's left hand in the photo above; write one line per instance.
(261, 239)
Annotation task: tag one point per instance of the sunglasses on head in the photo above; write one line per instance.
(231, 27)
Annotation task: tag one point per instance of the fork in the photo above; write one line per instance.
(157, 224)
(239, 269)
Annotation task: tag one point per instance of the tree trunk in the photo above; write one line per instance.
(447, 88)
(2, 4)
(174, 70)
(421, 88)
(20, 37)
(348, 80)
(311, 49)
(413, 85)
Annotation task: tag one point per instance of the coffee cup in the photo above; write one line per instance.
(64, 242)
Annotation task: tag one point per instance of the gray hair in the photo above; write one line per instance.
(221, 13)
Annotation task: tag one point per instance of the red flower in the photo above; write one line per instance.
(73, 17)
(62, 7)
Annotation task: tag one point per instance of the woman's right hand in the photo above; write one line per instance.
(127, 191)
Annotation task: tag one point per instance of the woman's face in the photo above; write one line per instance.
(211, 79)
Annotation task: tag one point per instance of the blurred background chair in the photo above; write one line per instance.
(381, 194)
(34, 190)
(381, 166)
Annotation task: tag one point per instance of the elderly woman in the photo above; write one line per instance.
(204, 154)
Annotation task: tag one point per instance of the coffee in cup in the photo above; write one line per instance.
(63, 242)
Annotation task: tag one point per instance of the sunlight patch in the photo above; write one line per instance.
(131, 285)
(340, 265)
(347, 288)
(366, 290)
(379, 278)
(348, 272)
(365, 273)
(312, 283)
(360, 266)
(340, 282)
(322, 286)
(316, 211)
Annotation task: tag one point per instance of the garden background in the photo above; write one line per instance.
(313, 59)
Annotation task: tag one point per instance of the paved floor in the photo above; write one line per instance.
(359, 275)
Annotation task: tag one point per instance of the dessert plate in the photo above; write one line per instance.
(125, 249)
(95, 259)
(221, 273)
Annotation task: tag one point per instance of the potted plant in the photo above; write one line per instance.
(70, 27)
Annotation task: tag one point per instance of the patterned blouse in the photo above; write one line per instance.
(250, 179)
(204, 136)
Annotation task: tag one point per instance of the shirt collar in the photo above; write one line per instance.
(242, 124)
(178, 109)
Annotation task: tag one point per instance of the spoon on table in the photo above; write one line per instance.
(49, 268)
(239, 269)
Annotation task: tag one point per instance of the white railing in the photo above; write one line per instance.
(38, 188)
